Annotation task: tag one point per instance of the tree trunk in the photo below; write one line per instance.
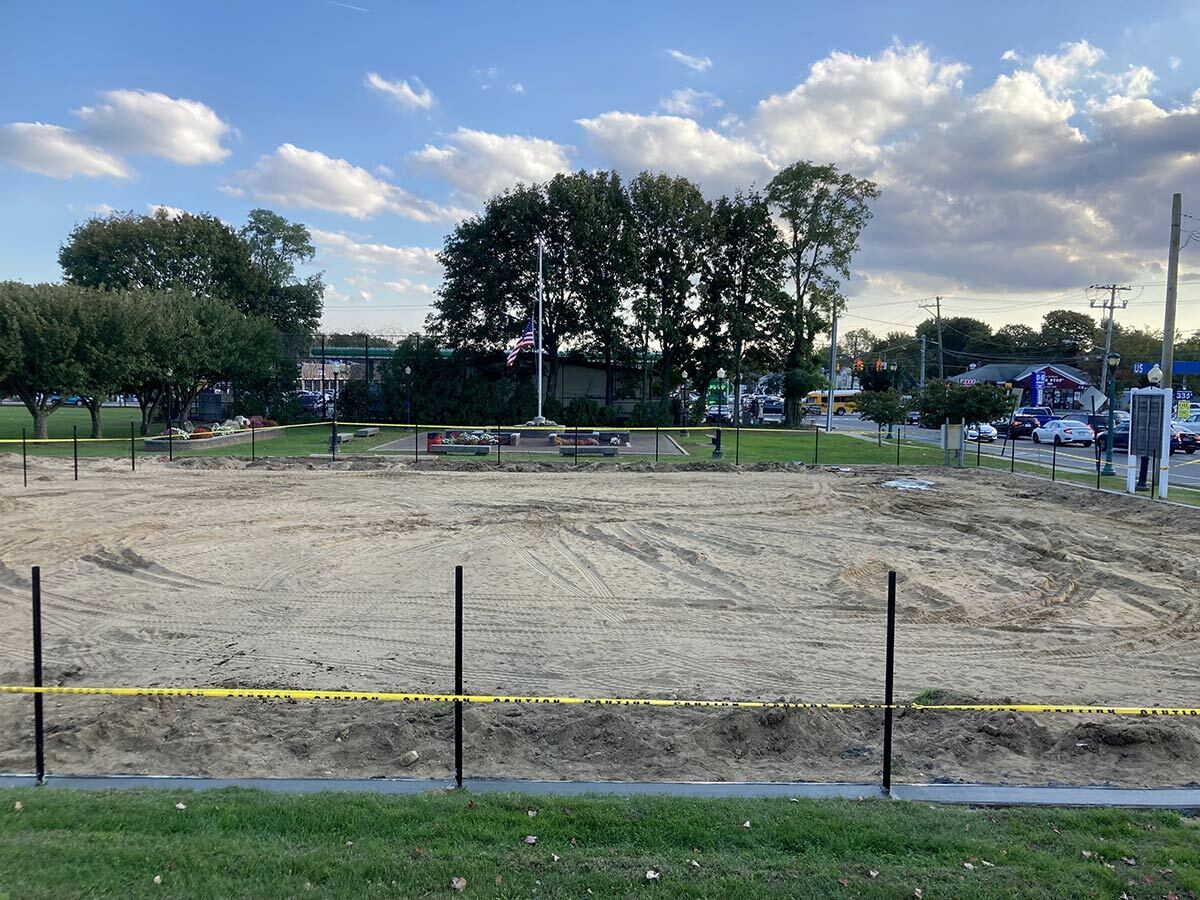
(93, 407)
(666, 373)
(609, 377)
(40, 421)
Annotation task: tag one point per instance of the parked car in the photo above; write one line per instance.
(912, 417)
(1096, 421)
(1018, 426)
(1064, 431)
(1042, 413)
(981, 432)
(1181, 441)
(722, 413)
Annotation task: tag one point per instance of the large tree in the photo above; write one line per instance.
(200, 255)
(672, 221)
(823, 212)
(602, 251)
(276, 247)
(44, 365)
(111, 347)
(489, 289)
(741, 289)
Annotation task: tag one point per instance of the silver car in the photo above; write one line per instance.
(1064, 431)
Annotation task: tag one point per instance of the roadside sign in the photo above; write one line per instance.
(1145, 435)
(1184, 409)
(1184, 395)
(1178, 367)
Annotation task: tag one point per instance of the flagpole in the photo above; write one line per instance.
(540, 418)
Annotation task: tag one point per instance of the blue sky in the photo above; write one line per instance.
(1025, 151)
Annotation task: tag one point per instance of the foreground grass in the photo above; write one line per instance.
(246, 843)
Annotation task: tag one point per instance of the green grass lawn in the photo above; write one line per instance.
(237, 843)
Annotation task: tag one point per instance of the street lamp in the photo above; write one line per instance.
(1155, 375)
(717, 454)
(1112, 361)
(408, 395)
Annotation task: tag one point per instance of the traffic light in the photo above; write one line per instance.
(879, 365)
(858, 365)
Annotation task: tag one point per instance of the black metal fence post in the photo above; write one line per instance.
(497, 445)
(24, 461)
(132, 449)
(577, 442)
(1054, 462)
(978, 452)
(889, 665)
(737, 440)
(39, 734)
(656, 443)
(253, 449)
(416, 444)
(75, 449)
(1012, 462)
(170, 442)
(817, 447)
(458, 674)
(897, 445)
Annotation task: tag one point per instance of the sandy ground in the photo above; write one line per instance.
(696, 583)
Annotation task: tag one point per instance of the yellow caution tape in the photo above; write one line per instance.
(401, 697)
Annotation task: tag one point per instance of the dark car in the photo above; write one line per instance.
(1181, 441)
(1097, 421)
(912, 417)
(1043, 414)
(1017, 426)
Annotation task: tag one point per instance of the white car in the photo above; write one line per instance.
(981, 432)
(1064, 431)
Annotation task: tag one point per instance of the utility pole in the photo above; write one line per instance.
(1168, 350)
(1111, 305)
(832, 372)
(921, 385)
(937, 305)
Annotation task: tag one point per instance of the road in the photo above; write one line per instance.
(1185, 470)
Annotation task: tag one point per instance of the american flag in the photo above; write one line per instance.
(524, 341)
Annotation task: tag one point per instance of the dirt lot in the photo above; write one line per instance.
(685, 582)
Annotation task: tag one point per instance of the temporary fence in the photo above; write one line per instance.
(458, 697)
(576, 444)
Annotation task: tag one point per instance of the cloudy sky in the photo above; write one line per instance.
(1025, 150)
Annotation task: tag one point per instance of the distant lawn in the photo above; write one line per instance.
(237, 843)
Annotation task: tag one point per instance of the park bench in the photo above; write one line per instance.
(342, 437)
(461, 449)
(366, 432)
(588, 451)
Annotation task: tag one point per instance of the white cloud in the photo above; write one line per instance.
(333, 295)
(678, 145)
(103, 209)
(479, 163)
(695, 63)
(411, 260)
(147, 122)
(689, 102)
(407, 286)
(847, 104)
(231, 190)
(401, 92)
(172, 212)
(1174, 62)
(1010, 56)
(57, 152)
(308, 179)
(1059, 70)
(517, 88)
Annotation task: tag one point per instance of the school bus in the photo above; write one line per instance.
(817, 402)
